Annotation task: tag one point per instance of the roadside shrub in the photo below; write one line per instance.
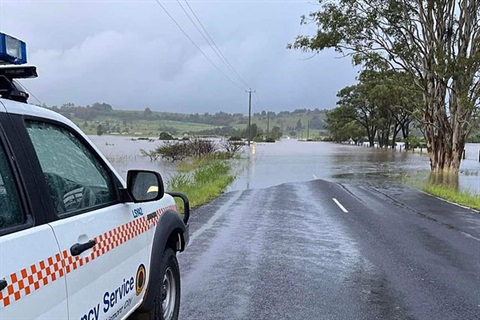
(174, 150)
(165, 136)
(179, 181)
(153, 154)
(205, 174)
(223, 155)
(179, 150)
(232, 146)
(202, 147)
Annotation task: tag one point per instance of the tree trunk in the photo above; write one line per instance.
(396, 130)
(406, 134)
(371, 137)
(380, 139)
(438, 131)
(445, 179)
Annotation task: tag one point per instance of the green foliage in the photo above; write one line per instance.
(204, 174)
(199, 149)
(463, 198)
(433, 42)
(99, 130)
(179, 181)
(152, 154)
(232, 146)
(445, 186)
(379, 107)
(165, 136)
(174, 150)
(204, 184)
(151, 123)
(102, 107)
(474, 138)
(147, 113)
(276, 133)
(415, 142)
(342, 124)
(299, 125)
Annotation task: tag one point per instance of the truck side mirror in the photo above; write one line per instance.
(144, 186)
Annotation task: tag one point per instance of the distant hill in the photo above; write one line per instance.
(102, 118)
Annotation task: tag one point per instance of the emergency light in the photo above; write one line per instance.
(12, 50)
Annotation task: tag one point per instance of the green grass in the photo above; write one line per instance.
(154, 125)
(467, 199)
(187, 166)
(464, 198)
(143, 127)
(202, 181)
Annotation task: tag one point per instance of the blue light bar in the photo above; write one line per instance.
(12, 50)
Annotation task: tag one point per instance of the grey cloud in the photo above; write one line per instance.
(129, 54)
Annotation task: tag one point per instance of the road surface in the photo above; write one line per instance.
(324, 250)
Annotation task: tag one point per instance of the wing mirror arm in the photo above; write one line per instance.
(124, 195)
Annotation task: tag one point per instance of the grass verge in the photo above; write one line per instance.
(467, 199)
(464, 198)
(189, 166)
(202, 180)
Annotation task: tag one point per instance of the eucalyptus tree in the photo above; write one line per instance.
(436, 41)
(342, 124)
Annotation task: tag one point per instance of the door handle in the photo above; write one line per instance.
(3, 284)
(78, 248)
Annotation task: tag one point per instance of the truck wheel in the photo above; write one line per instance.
(167, 299)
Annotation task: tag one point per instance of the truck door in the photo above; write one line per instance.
(32, 282)
(103, 242)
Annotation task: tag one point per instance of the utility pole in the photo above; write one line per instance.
(308, 127)
(268, 122)
(249, 113)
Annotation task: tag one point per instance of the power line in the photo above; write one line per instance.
(257, 98)
(199, 49)
(31, 94)
(211, 42)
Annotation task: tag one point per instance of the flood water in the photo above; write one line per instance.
(124, 154)
(270, 164)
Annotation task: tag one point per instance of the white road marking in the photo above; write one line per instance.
(340, 205)
(314, 176)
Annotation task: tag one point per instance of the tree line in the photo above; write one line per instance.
(436, 44)
(381, 108)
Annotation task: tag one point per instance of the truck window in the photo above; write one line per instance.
(76, 180)
(11, 213)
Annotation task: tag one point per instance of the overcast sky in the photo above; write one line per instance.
(131, 55)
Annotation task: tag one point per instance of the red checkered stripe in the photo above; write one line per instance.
(36, 276)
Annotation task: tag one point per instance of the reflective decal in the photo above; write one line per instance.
(140, 279)
(30, 279)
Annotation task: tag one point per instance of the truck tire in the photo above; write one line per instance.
(167, 297)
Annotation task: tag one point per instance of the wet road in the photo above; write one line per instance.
(337, 249)
(278, 246)
(290, 252)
